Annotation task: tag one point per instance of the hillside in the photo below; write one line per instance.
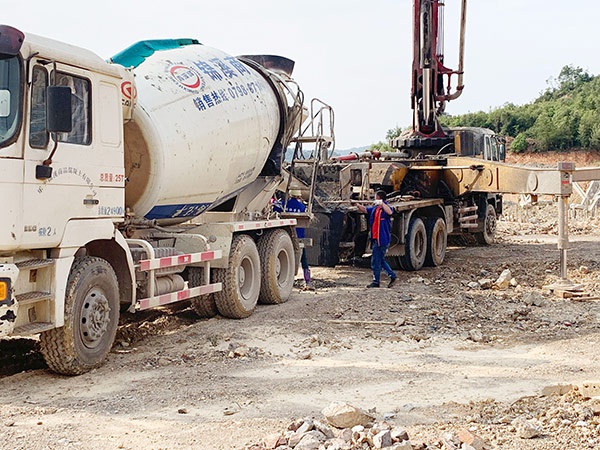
(565, 116)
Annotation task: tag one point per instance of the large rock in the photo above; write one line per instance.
(526, 429)
(503, 281)
(556, 389)
(309, 441)
(344, 415)
(399, 434)
(382, 439)
(471, 439)
(406, 445)
(323, 428)
(590, 389)
(486, 283)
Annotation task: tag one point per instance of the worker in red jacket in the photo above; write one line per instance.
(380, 223)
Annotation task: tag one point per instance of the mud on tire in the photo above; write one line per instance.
(203, 305)
(278, 263)
(241, 279)
(91, 319)
(487, 236)
(415, 247)
(437, 241)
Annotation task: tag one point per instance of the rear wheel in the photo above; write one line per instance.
(241, 280)
(487, 236)
(278, 263)
(437, 241)
(203, 305)
(91, 318)
(415, 247)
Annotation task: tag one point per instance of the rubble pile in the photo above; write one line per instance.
(345, 427)
(542, 218)
(564, 415)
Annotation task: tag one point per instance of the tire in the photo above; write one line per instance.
(415, 247)
(278, 263)
(203, 305)
(241, 280)
(91, 319)
(487, 236)
(437, 241)
(394, 262)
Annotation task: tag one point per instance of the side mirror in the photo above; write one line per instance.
(58, 109)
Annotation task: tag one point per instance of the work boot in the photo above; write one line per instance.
(392, 282)
(373, 285)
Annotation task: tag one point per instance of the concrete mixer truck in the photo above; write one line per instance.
(138, 182)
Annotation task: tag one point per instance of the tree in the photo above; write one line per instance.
(393, 133)
(571, 77)
(382, 147)
(519, 144)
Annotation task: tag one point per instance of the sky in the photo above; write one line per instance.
(354, 55)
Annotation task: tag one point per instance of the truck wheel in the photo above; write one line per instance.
(278, 262)
(203, 305)
(91, 319)
(241, 280)
(437, 240)
(415, 247)
(486, 237)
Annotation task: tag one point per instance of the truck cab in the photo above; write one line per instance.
(61, 166)
(479, 143)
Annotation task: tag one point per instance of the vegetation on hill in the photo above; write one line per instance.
(384, 146)
(565, 116)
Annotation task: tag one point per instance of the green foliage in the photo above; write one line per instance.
(385, 146)
(393, 133)
(382, 147)
(566, 115)
(519, 144)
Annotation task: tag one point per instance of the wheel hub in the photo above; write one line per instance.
(95, 317)
(278, 266)
(491, 224)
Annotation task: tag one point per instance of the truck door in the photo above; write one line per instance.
(87, 167)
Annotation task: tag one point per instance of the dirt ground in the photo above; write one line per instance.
(435, 354)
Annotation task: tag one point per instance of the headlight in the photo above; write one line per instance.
(4, 289)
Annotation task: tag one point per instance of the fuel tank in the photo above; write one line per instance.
(203, 125)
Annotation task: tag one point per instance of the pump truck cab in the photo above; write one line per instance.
(105, 164)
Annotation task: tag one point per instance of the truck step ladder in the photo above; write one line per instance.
(33, 328)
(35, 304)
(466, 218)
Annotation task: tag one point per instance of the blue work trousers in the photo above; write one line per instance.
(378, 261)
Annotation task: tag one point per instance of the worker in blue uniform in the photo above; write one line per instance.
(295, 204)
(380, 223)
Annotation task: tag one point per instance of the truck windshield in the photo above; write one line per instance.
(10, 98)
